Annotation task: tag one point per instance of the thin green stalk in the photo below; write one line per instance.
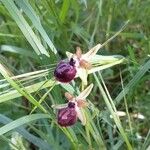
(96, 23)
(92, 129)
(126, 105)
(44, 96)
(115, 117)
(109, 22)
(88, 135)
(116, 34)
(109, 97)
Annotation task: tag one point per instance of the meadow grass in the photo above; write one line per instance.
(34, 37)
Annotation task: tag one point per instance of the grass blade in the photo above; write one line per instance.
(24, 27)
(26, 7)
(22, 91)
(111, 110)
(21, 121)
(133, 82)
(31, 138)
(18, 50)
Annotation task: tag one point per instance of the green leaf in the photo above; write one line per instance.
(26, 7)
(21, 121)
(31, 138)
(18, 50)
(64, 10)
(24, 27)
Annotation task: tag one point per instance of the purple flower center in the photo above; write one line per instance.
(65, 71)
(72, 62)
(71, 105)
(67, 116)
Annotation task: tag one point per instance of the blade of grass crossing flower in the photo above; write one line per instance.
(21, 121)
(115, 117)
(98, 68)
(14, 94)
(26, 7)
(24, 27)
(22, 91)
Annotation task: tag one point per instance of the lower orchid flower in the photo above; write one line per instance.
(69, 113)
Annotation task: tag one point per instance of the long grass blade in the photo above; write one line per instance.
(25, 28)
(26, 7)
(22, 91)
(143, 69)
(30, 137)
(21, 121)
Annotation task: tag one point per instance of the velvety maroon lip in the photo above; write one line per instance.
(65, 71)
(67, 116)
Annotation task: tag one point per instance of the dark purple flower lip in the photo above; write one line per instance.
(71, 105)
(65, 71)
(69, 112)
(72, 62)
(67, 116)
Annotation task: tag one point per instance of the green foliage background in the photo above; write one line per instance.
(33, 31)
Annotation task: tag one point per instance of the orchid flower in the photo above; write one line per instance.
(90, 62)
(80, 65)
(69, 113)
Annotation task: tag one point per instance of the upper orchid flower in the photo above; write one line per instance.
(69, 112)
(80, 65)
(90, 62)
(83, 61)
